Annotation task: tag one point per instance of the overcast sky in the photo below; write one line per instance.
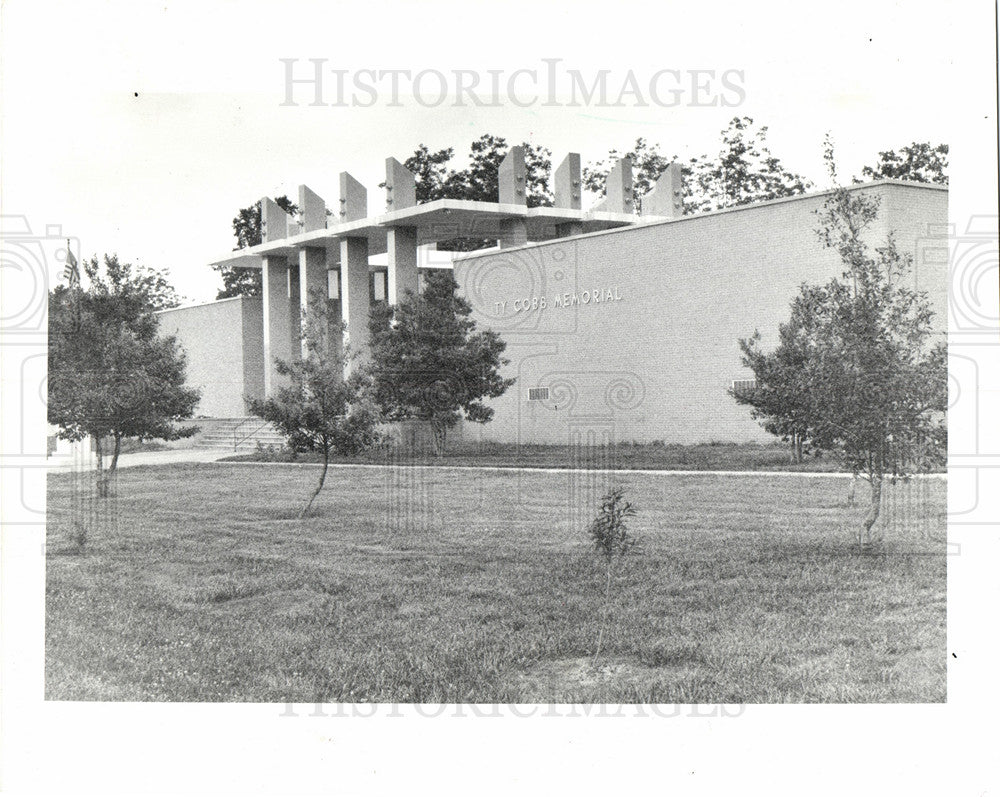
(142, 129)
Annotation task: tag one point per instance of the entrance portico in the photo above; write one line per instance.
(297, 255)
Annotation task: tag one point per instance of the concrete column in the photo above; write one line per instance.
(402, 244)
(513, 232)
(311, 270)
(277, 318)
(667, 197)
(354, 299)
(313, 286)
(512, 177)
(294, 310)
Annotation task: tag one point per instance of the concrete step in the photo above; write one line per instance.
(247, 432)
(243, 447)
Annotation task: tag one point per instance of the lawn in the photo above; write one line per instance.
(422, 585)
(621, 456)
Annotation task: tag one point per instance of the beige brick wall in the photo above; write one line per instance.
(655, 363)
(223, 342)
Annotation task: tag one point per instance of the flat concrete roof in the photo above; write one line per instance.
(440, 220)
(693, 217)
(444, 219)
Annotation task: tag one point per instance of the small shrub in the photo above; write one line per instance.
(78, 535)
(612, 541)
(273, 453)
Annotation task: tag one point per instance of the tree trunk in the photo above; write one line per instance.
(102, 484)
(795, 447)
(440, 436)
(322, 478)
(873, 510)
(104, 476)
(604, 618)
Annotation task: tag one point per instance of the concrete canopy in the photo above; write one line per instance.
(440, 220)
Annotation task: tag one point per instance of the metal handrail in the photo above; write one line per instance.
(237, 439)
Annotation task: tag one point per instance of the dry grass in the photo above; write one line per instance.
(435, 586)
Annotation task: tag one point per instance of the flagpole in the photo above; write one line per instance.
(75, 283)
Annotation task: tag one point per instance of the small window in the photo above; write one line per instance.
(741, 385)
(333, 284)
(378, 286)
(538, 393)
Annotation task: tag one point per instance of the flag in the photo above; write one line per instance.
(71, 272)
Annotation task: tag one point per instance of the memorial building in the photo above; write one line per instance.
(620, 326)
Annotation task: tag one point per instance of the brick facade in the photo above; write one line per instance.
(654, 358)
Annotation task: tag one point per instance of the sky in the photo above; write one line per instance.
(142, 128)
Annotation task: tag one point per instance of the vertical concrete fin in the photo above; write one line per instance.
(400, 186)
(667, 197)
(273, 221)
(312, 209)
(619, 188)
(353, 199)
(513, 178)
(568, 186)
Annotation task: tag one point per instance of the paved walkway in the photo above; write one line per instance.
(168, 457)
(646, 471)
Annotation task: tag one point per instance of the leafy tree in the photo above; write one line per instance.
(137, 285)
(430, 172)
(479, 180)
(648, 163)
(111, 375)
(154, 284)
(862, 351)
(919, 162)
(609, 533)
(247, 227)
(319, 409)
(429, 362)
(744, 171)
(780, 399)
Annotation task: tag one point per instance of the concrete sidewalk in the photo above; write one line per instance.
(168, 457)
